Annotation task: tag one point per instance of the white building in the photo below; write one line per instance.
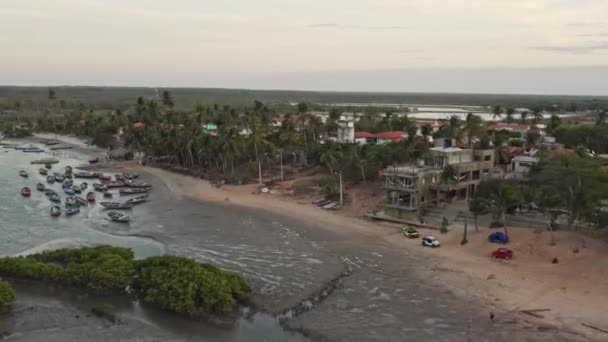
(521, 166)
(346, 129)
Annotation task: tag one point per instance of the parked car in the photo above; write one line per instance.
(498, 237)
(430, 241)
(502, 253)
(411, 233)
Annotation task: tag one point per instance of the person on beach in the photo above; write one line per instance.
(491, 316)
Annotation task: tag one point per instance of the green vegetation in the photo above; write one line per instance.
(593, 137)
(498, 195)
(174, 283)
(7, 296)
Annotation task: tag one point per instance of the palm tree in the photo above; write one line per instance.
(426, 131)
(537, 115)
(497, 112)
(524, 116)
(510, 113)
(331, 158)
(473, 127)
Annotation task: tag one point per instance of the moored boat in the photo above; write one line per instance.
(50, 179)
(33, 150)
(91, 196)
(47, 161)
(138, 200)
(119, 177)
(40, 187)
(94, 161)
(133, 191)
(114, 184)
(81, 201)
(59, 177)
(49, 192)
(132, 184)
(116, 205)
(70, 202)
(69, 191)
(107, 194)
(23, 174)
(55, 211)
(85, 174)
(99, 187)
(76, 189)
(69, 175)
(55, 198)
(68, 169)
(72, 211)
(130, 175)
(105, 177)
(48, 166)
(26, 192)
(84, 185)
(43, 172)
(118, 217)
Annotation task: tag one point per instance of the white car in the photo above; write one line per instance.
(430, 241)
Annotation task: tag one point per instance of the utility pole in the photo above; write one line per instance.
(341, 189)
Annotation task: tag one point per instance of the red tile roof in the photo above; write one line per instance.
(363, 134)
(391, 135)
(508, 127)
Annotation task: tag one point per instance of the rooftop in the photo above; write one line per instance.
(446, 149)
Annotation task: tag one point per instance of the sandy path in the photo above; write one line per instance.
(372, 297)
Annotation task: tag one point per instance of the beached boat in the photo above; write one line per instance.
(85, 174)
(68, 168)
(67, 184)
(49, 192)
(23, 174)
(94, 161)
(59, 177)
(76, 189)
(138, 200)
(40, 187)
(107, 194)
(70, 202)
(69, 175)
(114, 184)
(81, 201)
(69, 191)
(26, 192)
(55, 198)
(91, 196)
(99, 187)
(48, 166)
(119, 177)
(84, 185)
(51, 142)
(50, 179)
(118, 217)
(24, 147)
(72, 211)
(55, 211)
(130, 175)
(43, 172)
(132, 184)
(105, 177)
(46, 161)
(116, 205)
(133, 191)
(57, 148)
(33, 150)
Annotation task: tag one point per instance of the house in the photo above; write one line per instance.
(521, 166)
(408, 188)
(515, 128)
(346, 128)
(363, 138)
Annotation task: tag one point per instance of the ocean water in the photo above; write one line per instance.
(27, 227)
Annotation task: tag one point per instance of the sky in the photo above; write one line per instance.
(488, 46)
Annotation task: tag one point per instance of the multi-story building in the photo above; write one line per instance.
(410, 187)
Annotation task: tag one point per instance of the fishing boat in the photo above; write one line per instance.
(138, 200)
(67, 184)
(76, 189)
(24, 147)
(59, 177)
(43, 172)
(105, 177)
(85, 174)
(84, 185)
(55, 211)
(68, 168)
(55, 198)
(50, 179)
(69, 191)
(107, 194)
(99, 187)
(33, 150)
(69, 175)
(116, 205)
(40, 187)
(130, 175)
(70, 202)
(114, 184)
(26, 192)
(23, 174)
(46, 161)
(49, 192)
(118, 217)
(81, 201)
(132, 184)
(52, 142)
(94, 161)
(91, 196)
(119, 177)
(133, 191)
(48, 166)
(72, 211)
(57, 148)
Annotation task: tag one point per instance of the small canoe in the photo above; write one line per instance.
(55, 198)
(115, 184)
(70, 202)
(107, 194)
(69, 175)
(49, 192)
(23, 174)
(81, 201)
(48, 166)
(67, 184)
(50, 179)
(76, 189)
(26, 192)
(40, 187)
(116, 205)
(132, 184)
(133, 191)
(130, 175)
(47, 161)
(43, 172)
(55, 211)
(99, 187)
(94, 161)
(68, 169)
(118, 217)
(72, 211)
(91, 197)
(138, 200)
(59, 177)
(119, 177)
(69, 191)
(105, 177)
(85, 174)
(84, 186)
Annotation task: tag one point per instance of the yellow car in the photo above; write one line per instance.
(410, 233)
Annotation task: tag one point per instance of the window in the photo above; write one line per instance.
(476, 175)
(486, 171)
(487, 158)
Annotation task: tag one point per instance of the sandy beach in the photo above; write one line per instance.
(397, 289)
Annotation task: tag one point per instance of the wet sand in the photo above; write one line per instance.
(290, 252)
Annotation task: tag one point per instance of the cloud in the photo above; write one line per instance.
(589, 47)
(357, 27)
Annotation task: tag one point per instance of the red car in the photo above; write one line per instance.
(502, 253)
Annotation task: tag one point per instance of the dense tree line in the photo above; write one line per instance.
(174, 283)
(593, 137)
(7, 296)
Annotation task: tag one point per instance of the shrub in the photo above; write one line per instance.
(7, 296)
(105, 311)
